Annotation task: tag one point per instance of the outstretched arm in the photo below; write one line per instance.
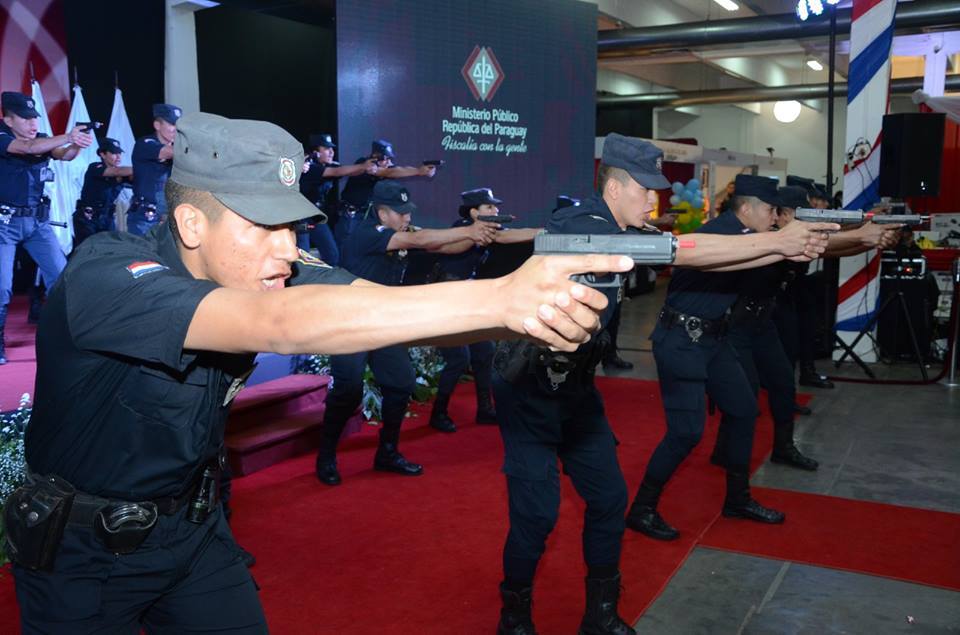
(715, 252)
(538, 300)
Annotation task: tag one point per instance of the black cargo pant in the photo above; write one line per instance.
(396, 378)
(539, 425)
(758, 346)
(457, 358)
(184, 578)
(688, 371)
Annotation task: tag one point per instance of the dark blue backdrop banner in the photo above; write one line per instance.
(502, 90)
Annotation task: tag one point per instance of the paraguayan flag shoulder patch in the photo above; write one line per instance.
(308, 259)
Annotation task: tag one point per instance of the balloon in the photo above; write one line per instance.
(677, 187)
(685, 205)
(674, 200)
(693, 184)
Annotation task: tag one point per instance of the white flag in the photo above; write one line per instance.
(58, 214)
(71, 172)
(119, 129)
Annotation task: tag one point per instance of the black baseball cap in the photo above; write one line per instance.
(475, 198)
(109, 145)
(325, 140)
(792, 196)
(390, 193)
(252, 167)
(566, 201)
(18, 104)
(383, 148)
(757, 186)
(167, 112)
(641, 159)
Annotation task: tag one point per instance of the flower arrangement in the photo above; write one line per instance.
(427, 363)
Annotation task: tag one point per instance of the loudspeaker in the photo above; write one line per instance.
(893, 327)
(910, 155)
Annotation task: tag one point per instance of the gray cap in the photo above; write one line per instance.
(252, 167)
(641, 159)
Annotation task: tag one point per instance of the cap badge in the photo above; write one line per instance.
(404, 197)
(659, 163)
(176, 112)
(288, 171)
(29, 103)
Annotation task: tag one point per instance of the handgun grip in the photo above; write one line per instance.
(591, 280)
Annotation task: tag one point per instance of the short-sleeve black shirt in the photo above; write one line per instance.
(20, 182)
(122, 410)
(99, 190)
(707, 294)
(149, 172)
(462, 266)
(321, 190)
(364, 254)
(592, 216)
(359, 188)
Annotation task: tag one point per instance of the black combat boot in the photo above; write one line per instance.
(338, 411)
(3, 322)
(786, 452)
(389, 459)
(613, 361)
(810, 377)
(740, 504)
(36, 304)
(601, 616)
(439, 419)
(515, 617)
(486, 412)
(644, 517)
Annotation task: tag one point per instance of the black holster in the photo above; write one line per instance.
(122, 527)
(514, 359)
(34, 517)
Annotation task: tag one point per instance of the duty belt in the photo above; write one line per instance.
(693, 325)
(148, 210)
(17, 211)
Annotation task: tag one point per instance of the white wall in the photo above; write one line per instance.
(802, 143)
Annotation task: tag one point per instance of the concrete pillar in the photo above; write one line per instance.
(181, 84)
(935, 67)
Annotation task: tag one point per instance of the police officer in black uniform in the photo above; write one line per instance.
(152, 159)
(320, 184)
(356, 193)
(144, 344)
(479, 355)
(25, 155)
(694, 357)
(377, 251)
(102, 183)
(754, 337)
(548, 406)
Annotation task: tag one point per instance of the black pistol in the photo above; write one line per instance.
(87, 126)
(645, 249)
(495, 218)
(437, 163)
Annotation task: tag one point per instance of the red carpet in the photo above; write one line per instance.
(17, 375)
(916, 545)
(384, 553)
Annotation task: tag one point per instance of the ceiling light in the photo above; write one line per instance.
(729, 5)
(786, 111)
(815, 65)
